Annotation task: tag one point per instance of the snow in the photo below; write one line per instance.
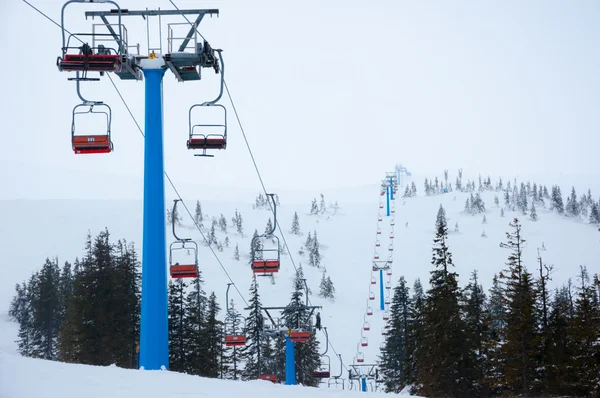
(36, 229)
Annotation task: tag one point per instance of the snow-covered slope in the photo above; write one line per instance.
(36, 229)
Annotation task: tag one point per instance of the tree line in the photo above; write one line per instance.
(88, 312)
(519, 339)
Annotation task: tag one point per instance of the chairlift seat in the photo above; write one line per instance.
(235, 340)
(83, 144)
(207, 142)
(321, 374)
(271, 378)
(299, 336)
(265, 266)
(91, 62)
(184, 271)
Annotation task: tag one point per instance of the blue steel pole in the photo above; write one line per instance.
(391, 181)
(290, 362)
(154, 336)
(381, 302)
(387, 196)
(364, 384)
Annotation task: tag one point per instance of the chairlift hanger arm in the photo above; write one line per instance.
(117, 12)
(173, 213)
(85, 102)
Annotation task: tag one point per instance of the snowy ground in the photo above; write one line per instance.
(37, 229)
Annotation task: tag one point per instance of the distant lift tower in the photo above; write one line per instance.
(401, 171)
(109, 51)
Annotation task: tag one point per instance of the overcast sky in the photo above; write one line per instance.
(331, 94)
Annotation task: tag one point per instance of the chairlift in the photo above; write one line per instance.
(369, 311)
(233, 332)
(267, 266)
(386, 315)
(377, 243)
(360, 357)
(271, 378)
(391, 247)
(364, 342)
(378, 231)
(91, 143)
(182, 270)
(205, 136)
(366, 326)
(373, 280)
(299, 336)
(388, 285)
(86, 58)
(371, 296)
(376, 256)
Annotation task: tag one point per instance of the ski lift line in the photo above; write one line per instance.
(190, 22)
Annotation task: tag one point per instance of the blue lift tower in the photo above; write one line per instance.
(106, 49)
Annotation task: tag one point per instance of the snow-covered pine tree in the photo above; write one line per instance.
(178, 339)
(212, 237)
(326, 288)
(501, 212)
(413, 189)
(476, 319)
(595, 213)
(533, 213)
(227, 242)
(519, 351)
(496, 201)
(314, 255)
(256, 247)
(572, 209)
(236, 253)
(442, 337)
(322, 205)
(269, 226)
(484, 221)
(251, 352)
(314, 208)
(195, 320)
(296, 224)
(556, 200)
(395, 363)
(223, 223)
(198, 216)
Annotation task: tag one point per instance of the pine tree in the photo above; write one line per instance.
(477, 334)
(227, 242)
(484, 221)
(533, 215)
(23, 312)
(442, 338)
(496, 201)
(256, 247)
(586, 335)
(557, 201)
(178, 339)
(198, 216)
(251, 352)
(296, 224)
(594, 214)
(520, 348)
(456, 231)
(223, 223)
(212, 237)
(396, 356)
(231, 357)
(236, 253)
(269, 227)
(213, 337)
(572, 209)
(195, 321)
(559, 373)
(322, 207)
(326, 289)
(314, 254)
(239, 224)
(501, 212)
(314, 208)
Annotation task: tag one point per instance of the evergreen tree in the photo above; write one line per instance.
(559, 373)
(269, 227)
(586, 337)
(519, 350)
(236, 253)
(477, 334)
(296, 224)
(557, 201)
(326, 289)
(178, 339)
(195, 321)
(223, 223)
(231, 357)
(227, 242)
(213, 337)
(396, 356)
(256, 247)
(572, 209)
(441, 363)
(594, 214)
(501, 212)
(251, 352)
(484, 221)
(212, 237)
(198, 216)
(533, 216)
(314, 254)
(23, 312)
(322, 207)
(496, 201)
(314, 208)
